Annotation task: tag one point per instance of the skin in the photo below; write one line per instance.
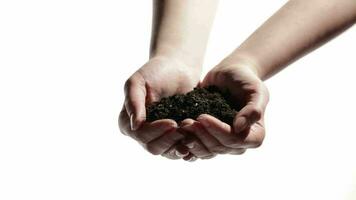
(299, 27)
(179, 38)
(293, 31)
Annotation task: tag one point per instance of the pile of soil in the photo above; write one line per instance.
(210, 100)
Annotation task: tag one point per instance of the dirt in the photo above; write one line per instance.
(210, 100)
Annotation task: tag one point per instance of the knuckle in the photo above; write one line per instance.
(224, 73)
(257, 143)
(151, 148)
(123, 126)
(128, 83)
(256, 113)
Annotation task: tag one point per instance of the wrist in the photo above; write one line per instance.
(245, 61)
(166, 52)
(175, 62)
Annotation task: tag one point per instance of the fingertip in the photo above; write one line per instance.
(186, 122)
(204, 120)
(135, 122)
(209, 121)
(202, 116)
(166, 123)
(240, 124)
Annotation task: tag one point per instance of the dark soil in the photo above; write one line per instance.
(209, 100)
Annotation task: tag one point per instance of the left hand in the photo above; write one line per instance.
(248, 129)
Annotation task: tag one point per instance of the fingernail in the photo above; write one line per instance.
(180, 155)
(241, 124)
(132, 122)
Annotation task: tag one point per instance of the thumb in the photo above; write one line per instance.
(135, 96)
(252, 112)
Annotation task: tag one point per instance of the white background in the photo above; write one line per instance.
(62, 69)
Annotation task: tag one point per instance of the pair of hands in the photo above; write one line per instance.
(206, 136)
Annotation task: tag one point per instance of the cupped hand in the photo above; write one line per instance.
(248, 129)
(159, 77)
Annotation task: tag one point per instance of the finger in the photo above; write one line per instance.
(208, 78)
(163, 143)
(208, 157)
(253, 111)
(249, 138)
(124, 124)
(153, 130)
(171, 153)
(216, 147)
(181, 150)
(209, 141)
(156, 137)
(148, 131)
(177, 151)
(135, 95)
(198, 149)
(186, 122)
(218, 129)
(192, 143)
(191, 158)
(238, 151)
(253, 136)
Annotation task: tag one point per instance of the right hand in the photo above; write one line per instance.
(247, 130)
(159, 77)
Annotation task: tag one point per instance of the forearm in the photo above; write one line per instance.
(180, 29)
(297, 28)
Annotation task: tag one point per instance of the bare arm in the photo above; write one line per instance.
(180, 29)
(296, 29)
(180, 32)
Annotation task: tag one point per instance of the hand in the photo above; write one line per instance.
(159, 77)
(248, 126)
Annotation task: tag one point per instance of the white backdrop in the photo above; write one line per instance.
(62, 69)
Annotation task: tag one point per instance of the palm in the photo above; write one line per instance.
(241, 82)
(247, 131)
(160, 77)
(250, 94)
(165, 77)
